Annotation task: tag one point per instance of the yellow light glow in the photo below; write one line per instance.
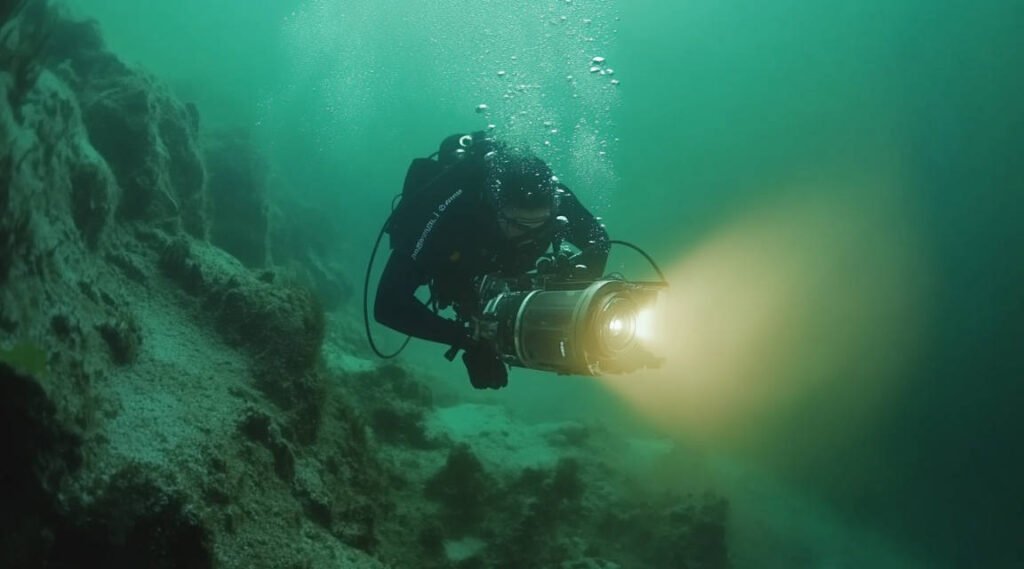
(615, 325)
(808, 311)
(645, 324)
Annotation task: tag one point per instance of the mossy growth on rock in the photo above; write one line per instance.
(123, 336)
(133, 522)
(91, 202)
(26, 28)
(283, 324)
(543, 504)
(283, 328)
(280, 325)
(149, 139)
(401, 427)
(178, 264)
(354, 485)
(124, 520)
(38, 454)
(260, 428)
(681, 531)
(395, 404)
(463, 490)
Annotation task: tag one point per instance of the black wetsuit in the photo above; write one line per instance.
(458, 240)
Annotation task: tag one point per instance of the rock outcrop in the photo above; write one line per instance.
(280, 325)
(146, 136)
(171, 382)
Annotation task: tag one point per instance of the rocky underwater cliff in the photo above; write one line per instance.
(184, 383)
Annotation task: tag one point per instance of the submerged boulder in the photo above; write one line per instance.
(39, 453)
(127, 519)
(148, 137)
(279, 324)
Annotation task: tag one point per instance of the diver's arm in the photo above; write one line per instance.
(586, 233)
(397, 307)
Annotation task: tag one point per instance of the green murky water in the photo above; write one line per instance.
(835, 187)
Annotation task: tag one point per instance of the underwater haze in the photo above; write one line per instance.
(834, 189)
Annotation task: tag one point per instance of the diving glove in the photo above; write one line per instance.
(485, 368)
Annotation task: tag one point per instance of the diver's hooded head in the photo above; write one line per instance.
(522, 192)
(517, 178)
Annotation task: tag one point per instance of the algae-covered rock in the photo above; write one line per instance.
(260, 428)
(463, 489)
(92, 197)
(149, 140)
(147, 137)
(280, 326)
(395, 404)
(126, 519)
(25, 30)
(150, 426)
(123, 336)
(39, 454)
(132, 520)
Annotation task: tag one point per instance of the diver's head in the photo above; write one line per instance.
(522, 190)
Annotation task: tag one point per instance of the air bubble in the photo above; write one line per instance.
(598, 60)
(502, 73)
(482, 108)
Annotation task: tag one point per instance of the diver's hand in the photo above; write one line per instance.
(485, 368)
(579, 270)
(480, 330)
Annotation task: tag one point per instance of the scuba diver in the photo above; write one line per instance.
(477, 207)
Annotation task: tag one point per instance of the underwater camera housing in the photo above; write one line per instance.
(550, 322)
